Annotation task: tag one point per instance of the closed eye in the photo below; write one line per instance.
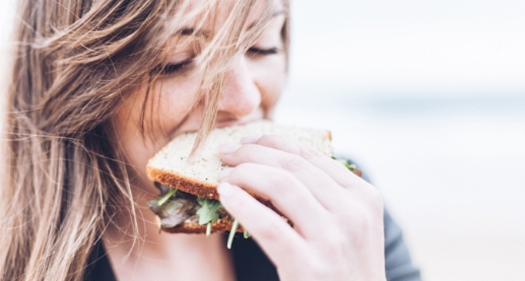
(263, 52)
(175, 68)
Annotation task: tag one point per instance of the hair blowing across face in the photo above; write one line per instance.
(74, 63)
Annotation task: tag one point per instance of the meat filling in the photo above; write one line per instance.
(181, 207)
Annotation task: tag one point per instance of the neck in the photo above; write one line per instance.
(142, 252)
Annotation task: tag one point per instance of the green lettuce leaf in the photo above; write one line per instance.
(208, 210)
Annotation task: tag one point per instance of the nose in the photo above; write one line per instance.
(240, 95)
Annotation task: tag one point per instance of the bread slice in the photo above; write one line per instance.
(171, 166)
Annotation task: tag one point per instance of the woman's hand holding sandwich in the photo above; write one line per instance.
(337, 217)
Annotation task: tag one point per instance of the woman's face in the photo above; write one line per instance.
(251, 88)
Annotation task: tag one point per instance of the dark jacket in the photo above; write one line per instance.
(251, 264)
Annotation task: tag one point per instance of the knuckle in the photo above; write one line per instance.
(271, 140)
(239, 172)
(375, 201)
(333, 239)
(359, 230)
(320, 269)
(364, 225)
(337, 244)
(293, 162)
(235, 203)
(236, 200)
(279, 142)
(321, 272)
(309, 154)
(244, 150)
(242, 169)
(282, 180)
(270, 230)
(371, 198)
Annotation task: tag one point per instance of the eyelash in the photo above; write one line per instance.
(176, 68)
(179, 67)
(263, 52)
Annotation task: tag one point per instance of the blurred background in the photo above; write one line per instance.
(429, 98)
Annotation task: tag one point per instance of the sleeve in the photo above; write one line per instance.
(398, 264)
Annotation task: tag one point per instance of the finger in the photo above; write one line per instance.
(285, 191)
(276, 237)
(322, 186)
(340, 174)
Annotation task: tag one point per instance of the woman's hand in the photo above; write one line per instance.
(337, 217)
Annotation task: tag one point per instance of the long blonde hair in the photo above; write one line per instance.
(74, 61)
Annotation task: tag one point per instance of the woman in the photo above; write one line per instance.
(99, 86)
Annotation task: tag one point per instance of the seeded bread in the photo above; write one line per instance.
(199, 176)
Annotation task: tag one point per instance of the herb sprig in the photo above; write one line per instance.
(165, 198)
(208, 212)
(235, 225)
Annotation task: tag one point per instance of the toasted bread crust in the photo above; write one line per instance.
(188, 185)
(191, 186)
(195, 228)
(200, 189)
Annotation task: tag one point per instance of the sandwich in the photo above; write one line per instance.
(189, 202)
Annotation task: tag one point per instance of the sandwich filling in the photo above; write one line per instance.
(176, 207)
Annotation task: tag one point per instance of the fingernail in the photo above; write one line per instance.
(225, 190)
(250, 139)
(225, 173)
(229, 148)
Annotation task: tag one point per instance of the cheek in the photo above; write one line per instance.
(167, 103)
(127, 133)
(174, 99)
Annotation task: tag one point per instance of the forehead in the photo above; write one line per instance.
(209, 15)
(206, 20)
